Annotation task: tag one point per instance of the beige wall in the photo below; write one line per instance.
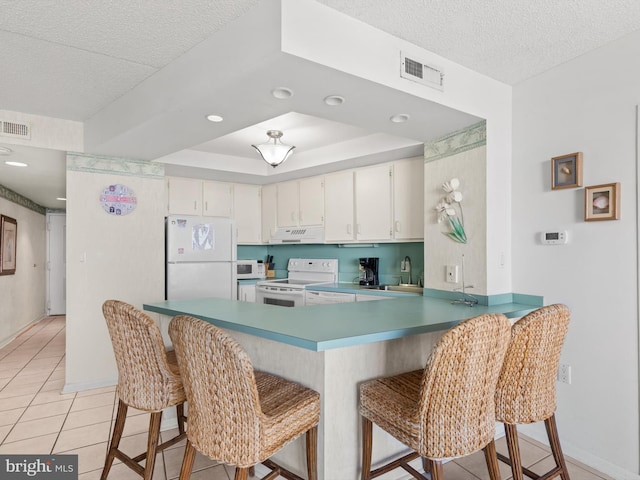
(22, 296)
(108, 257)
(470, 167)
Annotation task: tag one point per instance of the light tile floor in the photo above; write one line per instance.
(36, 418)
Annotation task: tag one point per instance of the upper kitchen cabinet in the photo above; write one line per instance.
(247, 208)
(184, 196)
(269, 211)
(217, 199)
(408, 199)
(300, 202)
(190, 196)
(373, 203)
(339, 208)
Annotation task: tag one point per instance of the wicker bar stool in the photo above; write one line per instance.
(238, 416)
(526, 391)
(148, 379)
(445, 410)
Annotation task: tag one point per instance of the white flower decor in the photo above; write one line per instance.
(446, 210)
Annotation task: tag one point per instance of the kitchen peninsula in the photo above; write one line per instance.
(332, 349)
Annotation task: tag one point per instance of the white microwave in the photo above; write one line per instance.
(250, 269)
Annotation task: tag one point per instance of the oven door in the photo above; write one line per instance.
(278, 295)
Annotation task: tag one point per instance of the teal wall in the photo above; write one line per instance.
(390, 254)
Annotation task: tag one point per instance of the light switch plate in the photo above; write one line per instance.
(451, 273)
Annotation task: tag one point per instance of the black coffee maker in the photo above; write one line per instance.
(369, 271)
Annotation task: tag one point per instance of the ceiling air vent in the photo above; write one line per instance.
(16, 130)
(415, 70)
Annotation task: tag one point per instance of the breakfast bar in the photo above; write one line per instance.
(332, 349)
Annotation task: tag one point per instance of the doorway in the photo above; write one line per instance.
(56, 264)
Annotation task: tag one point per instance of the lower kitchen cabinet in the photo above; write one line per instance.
(247, 293)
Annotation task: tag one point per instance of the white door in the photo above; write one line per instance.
(56, 264)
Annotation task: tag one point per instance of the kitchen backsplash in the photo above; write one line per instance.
(390, 254)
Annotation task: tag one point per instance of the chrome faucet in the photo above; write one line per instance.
(406, 267)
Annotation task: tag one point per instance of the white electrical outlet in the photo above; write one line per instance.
(451, 273)
(564, 373)
(404, 266)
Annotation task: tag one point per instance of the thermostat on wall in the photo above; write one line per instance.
(553, 238)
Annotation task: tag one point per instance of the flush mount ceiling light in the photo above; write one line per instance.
(214, 118)
(334, 100)
(400, 118)
(16, 164)
(5, 151)
(274, 153)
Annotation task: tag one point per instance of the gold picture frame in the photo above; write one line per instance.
(8, 241)
(602, 202)
(566, 171)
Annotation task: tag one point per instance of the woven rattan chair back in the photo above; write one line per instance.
(148, 379)
(526, 391)
(458, 386)
(224, 407)
(145, 380)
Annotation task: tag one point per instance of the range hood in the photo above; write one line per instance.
(298, 235)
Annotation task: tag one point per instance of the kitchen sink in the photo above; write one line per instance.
(404, 288)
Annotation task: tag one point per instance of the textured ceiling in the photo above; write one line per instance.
(70, 58)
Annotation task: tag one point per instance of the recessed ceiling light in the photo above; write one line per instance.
(5, 151)
(282, 93)
(214, 118)
(62, 199)
(334, 100)
(16, 164)
(400, 118)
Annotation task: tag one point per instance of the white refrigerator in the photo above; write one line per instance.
(200, 258)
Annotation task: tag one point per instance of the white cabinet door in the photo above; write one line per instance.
(185, 196)
(269, 211)
(339, 207)
(311, 201)
(373, 203)
(287, 204)
(408, 199)
(247, 212)
(217, 199)
(247, 293)
(301, 202)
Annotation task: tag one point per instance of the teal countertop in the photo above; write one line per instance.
(326, 327)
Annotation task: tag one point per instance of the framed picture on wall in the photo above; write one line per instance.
(566, 171)
(602, 202)
(8, 240)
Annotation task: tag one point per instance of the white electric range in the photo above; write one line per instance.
(302, 272)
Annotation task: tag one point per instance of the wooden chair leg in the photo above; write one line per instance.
(118, 428)
(491, 458)
(554, 442)
(187, 461)
(367, 442)
(252, 471)
(180, 414)
(425, 464)
(242, 473)
(511, 433)
(435, 467)
(312, 453)
(152, 444)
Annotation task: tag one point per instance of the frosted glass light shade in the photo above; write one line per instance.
(276, 152)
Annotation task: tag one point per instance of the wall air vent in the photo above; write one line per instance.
(420, 72)
(15, 130)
